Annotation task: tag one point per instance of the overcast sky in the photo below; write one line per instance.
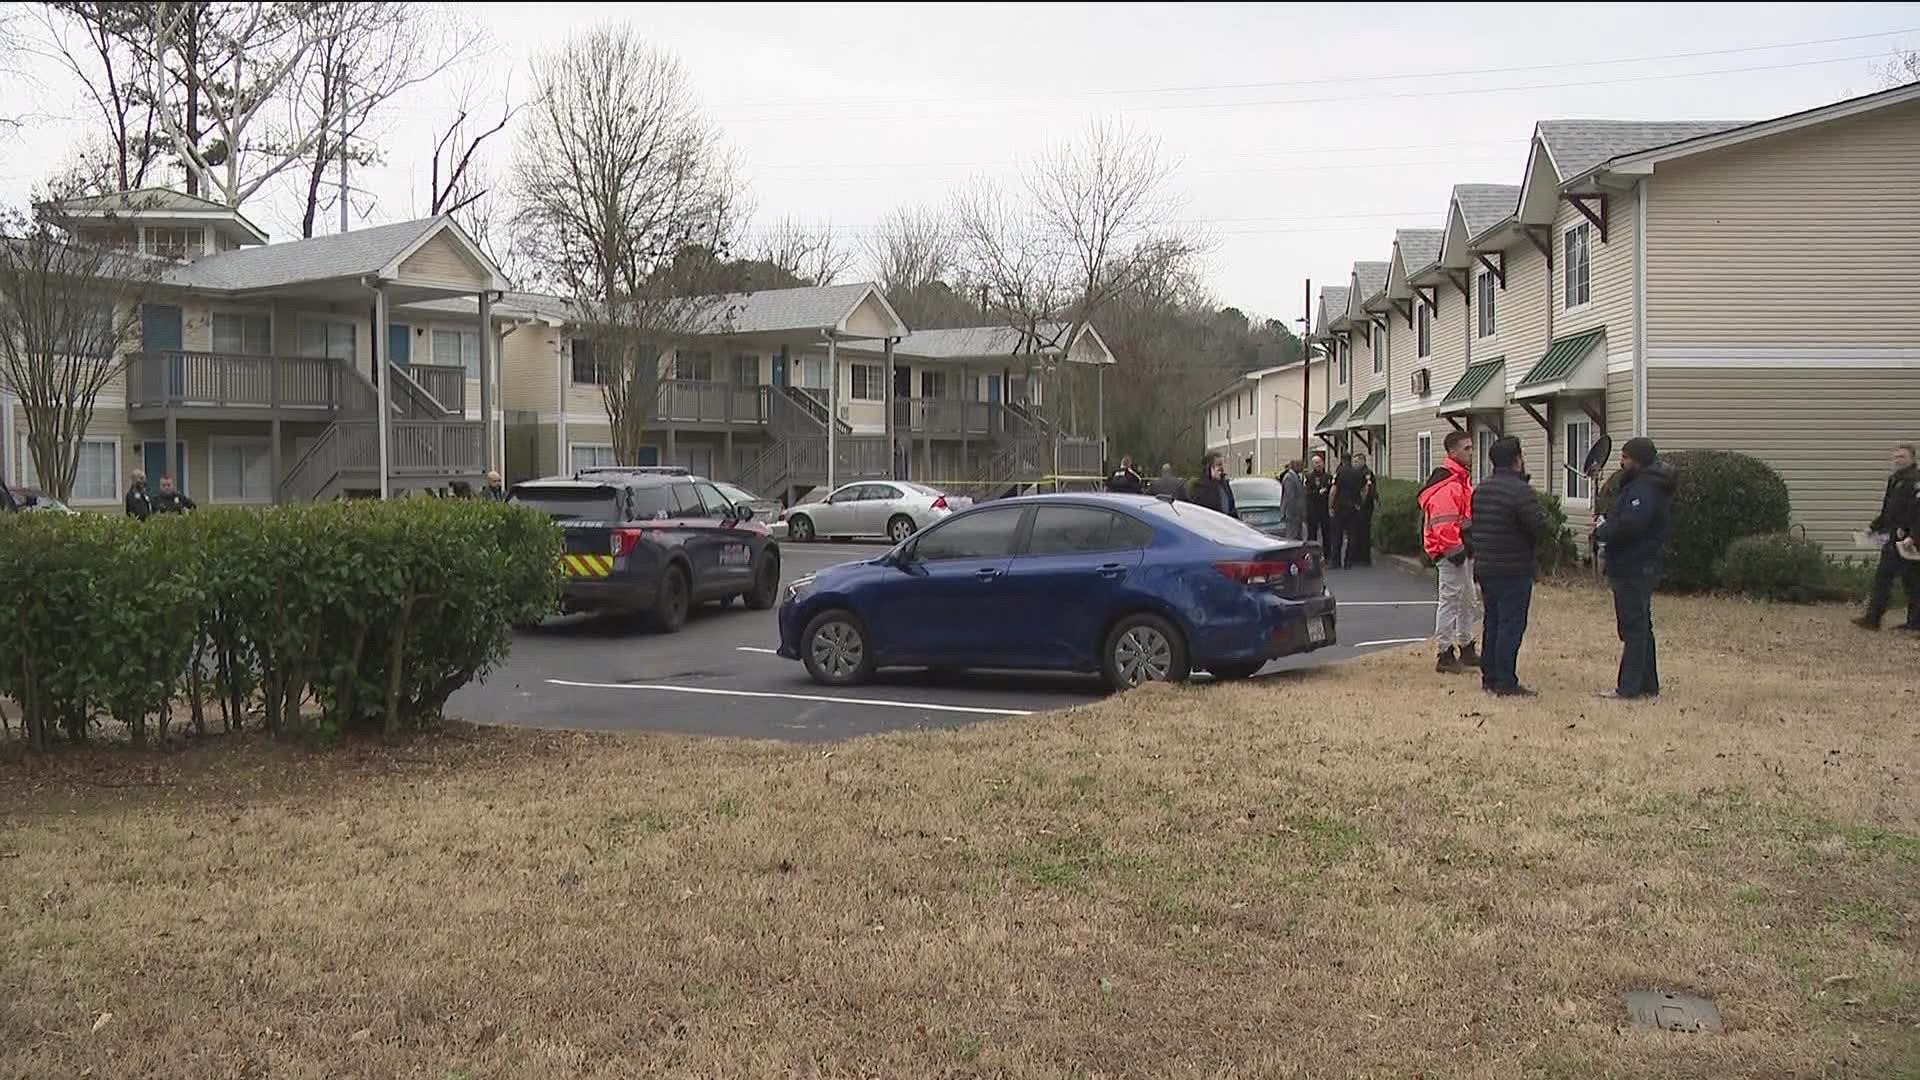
(1305, 134)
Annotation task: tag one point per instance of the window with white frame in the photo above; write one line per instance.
(1425, 456)
(1377, 342)
(243, 333)
(1579, 442)
(1346, 358)
(1423, 328)
(1579, 259)
(813, 373)
(322, 337)
(96, 480)
(693, 366)
(458, 348)
(588, 369)
(933, 384)
(869, 382)
(174, 243)
(1237, 402)
(242, 469)
(589, 456)
(1483, 286)
(746, 369)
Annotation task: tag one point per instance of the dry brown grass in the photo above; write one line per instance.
(1364, 871)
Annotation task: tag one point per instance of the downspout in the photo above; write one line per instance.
(1640, 308)
(1386, 457)
(1552, 466)
(560, 350)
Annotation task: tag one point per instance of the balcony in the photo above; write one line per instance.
(689, 401)
(226, 386)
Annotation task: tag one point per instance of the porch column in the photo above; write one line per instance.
(893, 409)
(966, 420)
(1100, 415)
(488, 461)
(274, 457)
(833, 399)
(384, 405)
(726, 443)
(169, 459)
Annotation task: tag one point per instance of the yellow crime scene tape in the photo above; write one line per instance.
(587, 565)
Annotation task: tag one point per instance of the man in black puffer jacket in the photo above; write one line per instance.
(1635, 535)
(1504, 529)
(1899, 519)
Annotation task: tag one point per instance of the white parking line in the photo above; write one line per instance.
(716, 692)
(1384, 603)
(1389, 641)
(756, 649)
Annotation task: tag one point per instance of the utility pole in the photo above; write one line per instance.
(1306, 373)
(341, 84)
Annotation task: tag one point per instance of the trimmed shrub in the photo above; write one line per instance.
(1396, 519)
(1778, 566)
(1722, 496)
(1556, 550)
(376, 612)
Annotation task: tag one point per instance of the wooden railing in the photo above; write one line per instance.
(446, 382)
(419, 448)
(946, 416)
(689, 401)
(226, 380)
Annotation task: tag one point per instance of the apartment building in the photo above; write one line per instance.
(1367, 333)
(1329, 333)
(1713, 284)
(1256, 421)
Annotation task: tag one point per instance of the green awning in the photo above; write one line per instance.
(1563, 365)
(1331, 421)
(1480, 388)
(1363, 416)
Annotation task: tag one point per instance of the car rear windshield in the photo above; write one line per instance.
(596, 504)
(1261, 515)
(920, 488)
(1256, 489)
(1218, 527)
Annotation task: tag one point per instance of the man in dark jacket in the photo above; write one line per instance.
(1124, 480)
(1635, 535)
(139, 505)
(494, 491)
(1213, 490)
(1349, 497)
(1503, 532)
(1169, 486)
(1319, 520)
(1293, 501)
(1899, 519)
(170, 501)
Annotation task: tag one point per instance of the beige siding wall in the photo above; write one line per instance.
(1523, 314)
(1610, 275)
(1807, 236)
(1448, 360)
(528, 359)
(440, 259)
(1364, 380)
(1620, 405)
(1827, 430)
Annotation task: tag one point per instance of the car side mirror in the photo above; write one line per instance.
(742, 512)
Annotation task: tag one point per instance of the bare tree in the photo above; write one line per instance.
(69, 310)
(461, 182)
(814, 254)
(912, 247)
(627, 203)
(1900, 69)
(95, 40)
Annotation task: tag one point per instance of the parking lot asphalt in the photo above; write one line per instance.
(719, 675)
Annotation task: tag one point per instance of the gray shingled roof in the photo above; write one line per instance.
(971, 341)
(1419, 248)
(1486, 205)
(150, 200)
(1333, 304)
(340, 255)
(764, 310)
(1369, 278)
(1579, 145)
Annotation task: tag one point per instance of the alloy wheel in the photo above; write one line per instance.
(1143, 654)
(901, 529)
(838, 650)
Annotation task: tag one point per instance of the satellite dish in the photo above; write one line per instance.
(1596, 458)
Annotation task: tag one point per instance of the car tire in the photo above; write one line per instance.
(669, 612)
(900, 527)
(766, 585)
(835, 649)
(1143, 648)
(800, 529)
(1236, 672)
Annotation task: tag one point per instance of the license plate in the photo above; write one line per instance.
(1316, 631)
(735, 555)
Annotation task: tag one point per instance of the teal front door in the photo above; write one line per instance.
(153, 461)
(399, 344)
(161, 332)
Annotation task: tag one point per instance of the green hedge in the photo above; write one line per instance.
(1722, 496)
(1778, 566)
(340, 615)
(1397, 526)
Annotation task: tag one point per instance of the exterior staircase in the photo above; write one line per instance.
(432, 443)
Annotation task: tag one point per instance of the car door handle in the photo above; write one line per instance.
(1112, 570)
(986, 573)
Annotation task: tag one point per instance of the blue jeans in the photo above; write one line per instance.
(1633, 618)
(1507, 601)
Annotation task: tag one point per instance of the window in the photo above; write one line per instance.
(1483, 286)
(1425, 457)
(746, 369)
(933, 384)
(1423, 329)
(331, 339)
(813, 373)
(175, 243)
(587, 368)
(693, 366)
(985, 535)
(1377, 342)
(1485, 456)
(1068, 530)
(1579, 441)
(242, 333)
(93, 331)
(869, 382)
(589, 456)
(1346, 357)
(458, 348)
(96, 480)
(1237, 402)
(1579, 265)
(242, 470)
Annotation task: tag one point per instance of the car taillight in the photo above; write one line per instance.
(940, 503)
(1267, 571)
(623, 541)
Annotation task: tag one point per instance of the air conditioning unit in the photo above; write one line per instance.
(846, 412)
(1422, 382)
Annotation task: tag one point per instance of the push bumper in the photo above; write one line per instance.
(607, 595)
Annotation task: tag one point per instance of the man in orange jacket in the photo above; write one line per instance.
(1446, 507)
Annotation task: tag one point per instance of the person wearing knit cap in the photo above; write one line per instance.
(1635, 536)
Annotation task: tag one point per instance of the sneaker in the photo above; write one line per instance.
(1469, 657)
(1867, 622)
(1911, 628)
(1515, 690)
(1615, 695)
(1448, 664)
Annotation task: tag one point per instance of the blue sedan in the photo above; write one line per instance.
(1133, 588)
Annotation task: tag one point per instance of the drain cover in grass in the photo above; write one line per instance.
(1672, 1012)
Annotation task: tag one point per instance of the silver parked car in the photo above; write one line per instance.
(765, 511)
(894, 509)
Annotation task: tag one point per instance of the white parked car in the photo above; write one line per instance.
(765, 511)
(895, 509)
